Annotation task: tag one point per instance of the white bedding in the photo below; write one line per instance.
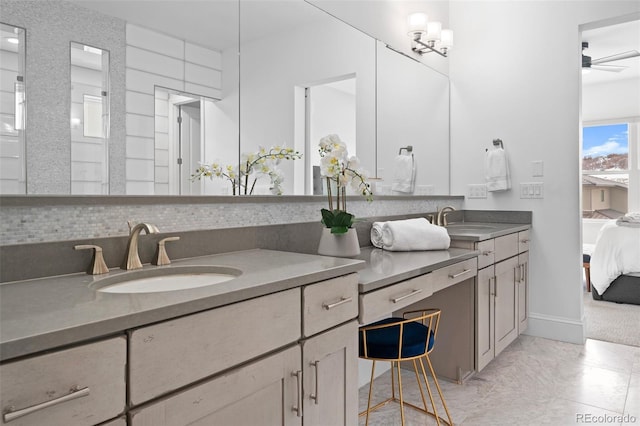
(617, 252)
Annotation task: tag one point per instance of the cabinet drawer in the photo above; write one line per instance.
(487, 253)
(379, 303)
(96, 369)
(329, 303)
(523, 241)
(453, 274)
(506, 246)
(171, 354)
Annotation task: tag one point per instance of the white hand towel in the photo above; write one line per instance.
(414, 234)
(404, 173)
(496, 169)
(376, 234)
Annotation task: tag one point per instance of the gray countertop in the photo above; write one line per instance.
(389, 267)
(480, 231)
(46, 313)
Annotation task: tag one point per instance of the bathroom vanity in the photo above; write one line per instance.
(72, 355)
(280, 338)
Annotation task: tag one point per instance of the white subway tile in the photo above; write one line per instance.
(155, 41)
(203, 56)
(139, 103)
(162, 141)
(162, 124)
(139, 170)
(141, 81)
(203, 90)
(140, 147)
(155, 63)
(139, 188)
(162, 174)
(140, 125)
(161, 106)
(203, 76)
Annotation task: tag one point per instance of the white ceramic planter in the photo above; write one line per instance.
(339, 245)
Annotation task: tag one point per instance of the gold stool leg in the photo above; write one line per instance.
(426, 381)
(415, 369)
(373, 369)
(400, 389)
(435, 379)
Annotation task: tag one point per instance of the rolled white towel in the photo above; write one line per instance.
(414, 234)
(376, 234)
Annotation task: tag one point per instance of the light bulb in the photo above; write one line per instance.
(417, 23)
(433, 31)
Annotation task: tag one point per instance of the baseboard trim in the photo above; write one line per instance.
(556, 328)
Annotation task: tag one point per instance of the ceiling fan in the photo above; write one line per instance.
(600, 64)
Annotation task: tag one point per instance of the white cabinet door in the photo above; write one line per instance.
(266, 392)
(485, 311)
(330, 362)
(523, 291)
(506, 303)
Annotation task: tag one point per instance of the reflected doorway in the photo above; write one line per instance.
(330, 108)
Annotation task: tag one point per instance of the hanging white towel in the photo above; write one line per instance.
(496, 169)
(404, 174)
(409, 235)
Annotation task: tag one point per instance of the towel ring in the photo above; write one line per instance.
(497, 142)
(408, 148)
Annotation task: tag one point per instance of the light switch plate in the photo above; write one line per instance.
(532, 190)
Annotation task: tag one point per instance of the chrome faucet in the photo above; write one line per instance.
(131, 257)
(442, 215)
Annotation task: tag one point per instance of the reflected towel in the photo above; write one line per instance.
(404, 173)
(381, 262)
(630, 219)
(496, 169)
(409, 235)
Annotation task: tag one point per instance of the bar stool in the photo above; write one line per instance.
(411, 338)
(586, 264)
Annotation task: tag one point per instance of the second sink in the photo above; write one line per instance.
(166, 279)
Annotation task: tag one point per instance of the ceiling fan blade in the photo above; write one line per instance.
(616, 57)
(612, 68)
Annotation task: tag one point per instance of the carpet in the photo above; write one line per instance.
(612, 322)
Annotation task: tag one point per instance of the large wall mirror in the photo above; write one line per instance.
(210, 81)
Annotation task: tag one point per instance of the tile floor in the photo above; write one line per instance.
(534, 381)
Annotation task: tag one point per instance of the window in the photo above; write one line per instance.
(605, 171)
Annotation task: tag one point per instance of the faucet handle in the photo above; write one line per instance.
(97, 265)
(161, 257)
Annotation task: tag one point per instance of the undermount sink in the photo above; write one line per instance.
(166, 279)
(468, 227)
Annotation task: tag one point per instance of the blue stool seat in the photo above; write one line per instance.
(383, 343)
(586, 258)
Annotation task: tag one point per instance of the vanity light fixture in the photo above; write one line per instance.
(428, 36)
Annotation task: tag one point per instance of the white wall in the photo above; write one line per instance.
(515, 75)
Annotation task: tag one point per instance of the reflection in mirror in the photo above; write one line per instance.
(187, 132)
(89, 120)
(286, 48)
(330, 109)
(12, 110)
(412, 111)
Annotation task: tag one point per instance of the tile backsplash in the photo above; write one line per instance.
(52, 219)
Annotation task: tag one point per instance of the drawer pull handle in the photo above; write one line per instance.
(525, 241)
(413, 293)
(298, 408)
(316, 365)
(342, 301)
(459, 274)
(74, 393)
(487, 252)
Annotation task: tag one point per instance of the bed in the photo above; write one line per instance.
(615, 263)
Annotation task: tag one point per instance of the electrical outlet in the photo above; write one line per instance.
(537, 168)
(477, 191)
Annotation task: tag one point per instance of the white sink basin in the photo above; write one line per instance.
(166, 279)
(464, 227)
